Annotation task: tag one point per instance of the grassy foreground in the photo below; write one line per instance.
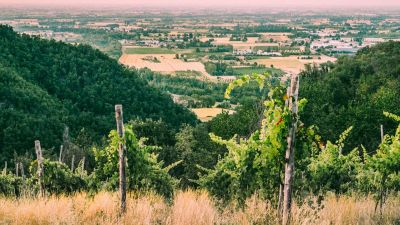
(188, 208)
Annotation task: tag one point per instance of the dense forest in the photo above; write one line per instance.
(49, 89)
(354, 92)
(47, 86)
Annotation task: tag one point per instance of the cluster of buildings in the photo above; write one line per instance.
(58, 36)
(344, 45)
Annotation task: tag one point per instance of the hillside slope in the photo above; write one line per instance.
(354, 92)
(47, 85)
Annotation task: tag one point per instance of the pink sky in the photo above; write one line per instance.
(208, 3)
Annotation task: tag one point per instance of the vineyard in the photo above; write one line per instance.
(250, 176)
(320, 148)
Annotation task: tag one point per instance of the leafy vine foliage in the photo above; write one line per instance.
(143, 171)
(253, 164)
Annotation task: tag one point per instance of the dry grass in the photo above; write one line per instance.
(189, 208)
(167, 63)
(292, 63)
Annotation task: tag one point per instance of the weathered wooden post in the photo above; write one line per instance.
(22, 170)
(39, 157)
(61, 151)
(382, 135)
(73, 163)
(5, 168)
(289, 156)
(16, 169)
(121, 150)
(83, 164)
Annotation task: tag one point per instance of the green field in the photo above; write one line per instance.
(202, 54)
(249, 70)
(189, 73)
(149, 51)
(265, 48)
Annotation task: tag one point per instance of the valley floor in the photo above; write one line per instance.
(189, 208)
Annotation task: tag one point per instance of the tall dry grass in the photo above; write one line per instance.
(189, 208)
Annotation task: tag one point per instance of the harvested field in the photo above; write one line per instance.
(206, 114)
(168, 63)
(292, 63)
(280, 37)
(165, 63)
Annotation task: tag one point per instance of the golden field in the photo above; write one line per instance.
(292, 63)
(206, 114)
(189, 208)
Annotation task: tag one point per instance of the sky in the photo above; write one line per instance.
(210, 3)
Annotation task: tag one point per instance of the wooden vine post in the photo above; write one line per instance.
(73, 163)
(5, 168)
(22, 171)
(39, 157)
(61, 152)
(121, 150)
(289, 156)
(17, 169)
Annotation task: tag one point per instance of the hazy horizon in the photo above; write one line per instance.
(207, 3)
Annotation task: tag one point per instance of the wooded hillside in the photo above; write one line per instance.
(46, 86)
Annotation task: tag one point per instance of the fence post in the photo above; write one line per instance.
(61, 151)
(83, 163)
(22, 170)
(39, 157)
(289, 156)
(121, 150)
(382, 135)
(16, 169)
(73, 163)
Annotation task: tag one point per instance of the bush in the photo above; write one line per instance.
(10, 185)
(143, 171)
(58, 178)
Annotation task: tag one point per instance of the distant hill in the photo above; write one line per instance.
(47, 85)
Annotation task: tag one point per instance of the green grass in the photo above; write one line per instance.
(250, 70)
(188, 73)
(265, 48)
(259, 57)
(202, 54)
(149, 51)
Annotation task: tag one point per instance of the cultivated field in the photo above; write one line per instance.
(144, 50)
(166, 63)
(131, 49)
(243, 70)
(206, 114)
(189, 208)
(292, 63)
(251, 42)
